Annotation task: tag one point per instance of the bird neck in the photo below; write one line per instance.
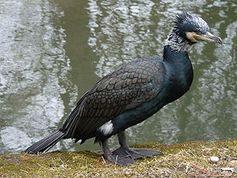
(176, 42)
(173, 56)
(179, 72)
(177, 60)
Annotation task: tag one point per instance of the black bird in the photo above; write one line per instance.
(133, 93)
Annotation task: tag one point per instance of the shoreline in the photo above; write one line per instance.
(191, 159)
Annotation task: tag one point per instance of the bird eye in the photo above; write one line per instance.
(198, 32)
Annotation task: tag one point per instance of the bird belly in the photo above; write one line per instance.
(135, 116)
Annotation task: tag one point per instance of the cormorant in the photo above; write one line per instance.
(133, 93)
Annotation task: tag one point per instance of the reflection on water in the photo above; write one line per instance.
(121, 31)
(37, 79)
(32, 72)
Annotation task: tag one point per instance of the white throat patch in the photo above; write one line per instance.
(106, 128)
(177, 43)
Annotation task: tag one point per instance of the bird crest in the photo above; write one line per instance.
(187, 22)
(180, 18)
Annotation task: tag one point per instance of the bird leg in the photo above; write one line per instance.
(124, 155)
(133, 153)
(121, 159)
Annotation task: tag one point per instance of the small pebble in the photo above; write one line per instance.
(228, 169)
(214, 159)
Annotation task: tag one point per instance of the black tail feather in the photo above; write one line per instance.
(46, 143)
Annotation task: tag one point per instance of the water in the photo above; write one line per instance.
(53, 51)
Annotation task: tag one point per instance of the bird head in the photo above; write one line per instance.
(194, 29)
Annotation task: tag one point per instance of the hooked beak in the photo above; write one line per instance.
(212, 38)
(194, 37)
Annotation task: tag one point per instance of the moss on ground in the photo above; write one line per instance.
(179, 160)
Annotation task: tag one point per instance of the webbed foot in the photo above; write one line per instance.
(121, 159)
(136, 153)
(124, 155)
(145, 152)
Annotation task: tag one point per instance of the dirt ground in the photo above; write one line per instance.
(195, 159)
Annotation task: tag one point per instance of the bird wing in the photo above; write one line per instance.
(124, 89)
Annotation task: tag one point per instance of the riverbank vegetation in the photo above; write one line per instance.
(196, 159)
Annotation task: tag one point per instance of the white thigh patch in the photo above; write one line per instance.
(107, 128)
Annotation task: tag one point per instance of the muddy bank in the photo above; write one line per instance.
(179, 160)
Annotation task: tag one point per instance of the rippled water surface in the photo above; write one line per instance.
(53, 51)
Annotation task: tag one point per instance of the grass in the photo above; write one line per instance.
(179, 160)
